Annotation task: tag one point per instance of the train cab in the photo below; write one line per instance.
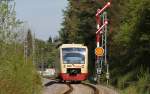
(73, 62)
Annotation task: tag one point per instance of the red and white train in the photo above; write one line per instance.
(73, 62)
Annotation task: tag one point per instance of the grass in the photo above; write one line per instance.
(142, 86)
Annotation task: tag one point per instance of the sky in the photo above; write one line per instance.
(44, 17)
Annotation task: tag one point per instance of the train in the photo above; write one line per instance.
(73, 62)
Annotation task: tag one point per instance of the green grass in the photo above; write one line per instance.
(142, 86)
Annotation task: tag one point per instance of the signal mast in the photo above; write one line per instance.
(101, 42)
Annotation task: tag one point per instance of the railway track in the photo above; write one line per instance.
(71, 89)
(96, 91)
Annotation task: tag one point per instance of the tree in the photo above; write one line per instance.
(129, 49)
(128, 43)
(50, 40)
(20, 78)
(79, 25)
(29, 42)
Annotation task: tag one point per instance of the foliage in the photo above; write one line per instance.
(141, 86)
(128, 44)
(79, 25)
(29, 42)
(46, 53)
(132, 45)
(16, 76)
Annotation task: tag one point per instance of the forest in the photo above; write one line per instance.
(128, 45)
(128, 39)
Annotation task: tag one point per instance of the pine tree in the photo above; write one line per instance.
(50, 40)
(29, 42)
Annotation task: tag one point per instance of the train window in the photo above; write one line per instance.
(73, 55)
(73, 49)
(73, 58)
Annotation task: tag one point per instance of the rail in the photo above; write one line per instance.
(96, 91)
(70, 89)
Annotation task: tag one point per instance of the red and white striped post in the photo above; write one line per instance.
(98, 20)
(99, 35)
(99, 11)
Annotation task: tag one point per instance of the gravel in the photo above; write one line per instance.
(106, 90)
(81, 89)
(55, 89)
(59, 88)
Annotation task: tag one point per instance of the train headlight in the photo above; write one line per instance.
(82, 66)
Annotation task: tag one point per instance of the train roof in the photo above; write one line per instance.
(72, 45)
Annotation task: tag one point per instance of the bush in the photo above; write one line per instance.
(16, 77)
(142, 86)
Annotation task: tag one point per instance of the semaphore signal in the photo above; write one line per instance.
(101, 42)
(100, 29)
(99, 11)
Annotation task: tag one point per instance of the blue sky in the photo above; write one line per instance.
(43, 16)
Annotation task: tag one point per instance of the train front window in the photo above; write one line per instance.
(73, 55)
